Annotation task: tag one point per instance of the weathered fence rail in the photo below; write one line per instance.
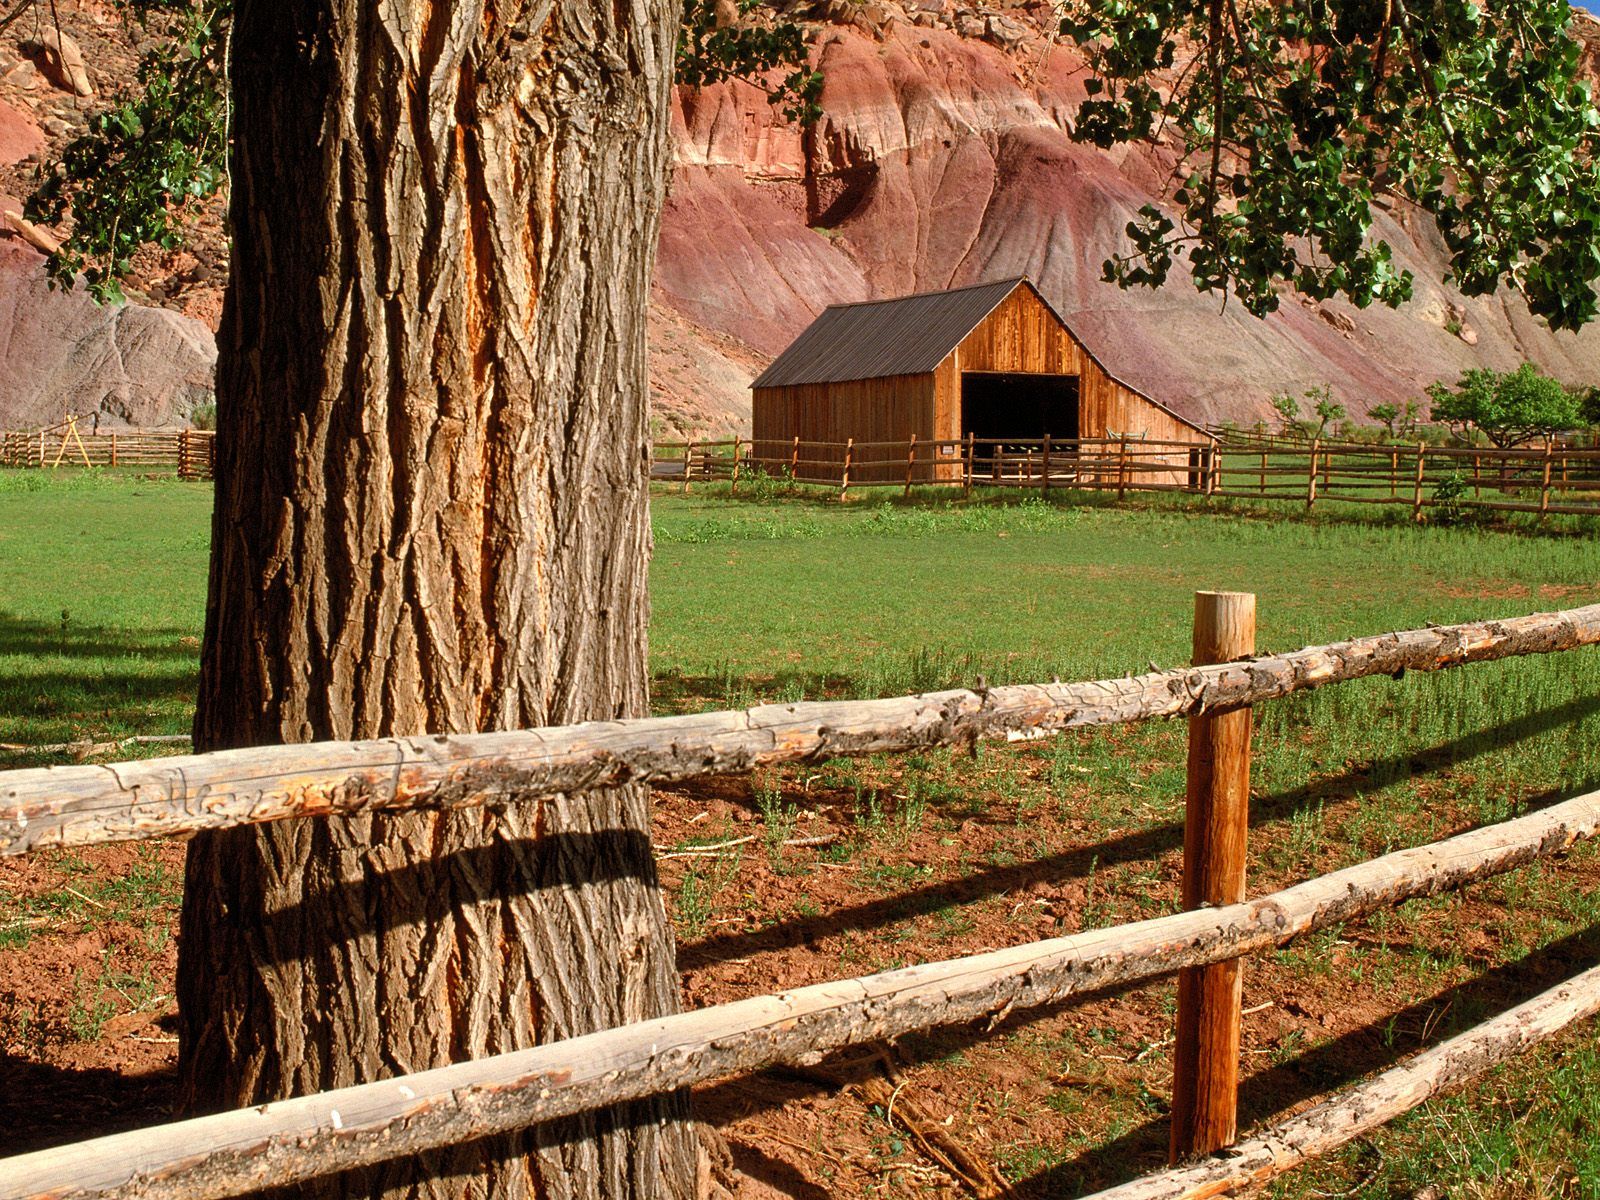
(1544, 480)
(293, 1140)
(285, 1142)
(188, 453)
(1363, 1108)
(162, 797)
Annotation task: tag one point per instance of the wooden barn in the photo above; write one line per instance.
(993, 361)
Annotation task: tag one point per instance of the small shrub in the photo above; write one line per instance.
(757, 483)
(1449, 500)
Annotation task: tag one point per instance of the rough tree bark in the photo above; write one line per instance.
(431, 515)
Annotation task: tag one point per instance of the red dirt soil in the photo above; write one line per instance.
(1062, 1100)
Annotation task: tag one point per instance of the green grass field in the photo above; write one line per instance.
(102, 593)
(102, 583)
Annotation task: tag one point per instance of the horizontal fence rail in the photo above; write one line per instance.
(154, 798)
(289, 1141)
(1543, 480)
(1359, 1110)
(189, 453)
(1364, 1108)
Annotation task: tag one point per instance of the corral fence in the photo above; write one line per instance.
(293, 1140)
(1546, 479)
(1116, 464)
(187, 453)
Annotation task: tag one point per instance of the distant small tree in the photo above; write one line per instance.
(1325, 407)
(1288, 410)
(1387, 415)
(1507, 407)
(1589, 405)
(1322, 405)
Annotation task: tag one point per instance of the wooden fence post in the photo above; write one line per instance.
(113, 447)
(1044, 476)
(844, 476)
(1416, 493)
(1122, 467)
(733, 476)
(688, 465)
(794, 461)
(183, 454)
(1477, 476)
(911, 462)
(1311, 475)
(1544, 490)
(966, 478)
(1263, 472)
(1205, 1083)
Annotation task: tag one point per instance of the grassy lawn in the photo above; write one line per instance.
(102, 593)
(102, 582)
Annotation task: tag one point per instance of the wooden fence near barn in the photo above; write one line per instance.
(187, 453)
(1545, 479)
(294, 1140)
(1119, 464)
(1548, 479)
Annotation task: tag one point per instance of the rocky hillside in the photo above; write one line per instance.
(943, 159)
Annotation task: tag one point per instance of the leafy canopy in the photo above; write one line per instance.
(1323, 406)
(127, 181)
(1507, 407)
(1291, 119)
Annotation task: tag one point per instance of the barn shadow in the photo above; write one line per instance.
(1142, 845)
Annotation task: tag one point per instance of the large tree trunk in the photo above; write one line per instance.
(431, 515)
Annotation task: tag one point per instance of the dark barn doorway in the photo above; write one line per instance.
(1018, 407)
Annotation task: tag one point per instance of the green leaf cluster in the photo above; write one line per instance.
(749, 49)
(1295, 121)
(128, 181)
(1508, 407)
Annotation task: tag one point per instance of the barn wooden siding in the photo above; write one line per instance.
(1021, 334)
(889, 409)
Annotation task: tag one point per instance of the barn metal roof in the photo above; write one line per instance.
(909, 335)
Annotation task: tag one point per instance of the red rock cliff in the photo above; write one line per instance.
(944, 159)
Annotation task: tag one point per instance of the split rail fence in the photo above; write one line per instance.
(188, 453)
(1102, 464)
(292, 1140)
(1543, 480)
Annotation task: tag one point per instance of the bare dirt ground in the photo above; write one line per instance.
(903, 860)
